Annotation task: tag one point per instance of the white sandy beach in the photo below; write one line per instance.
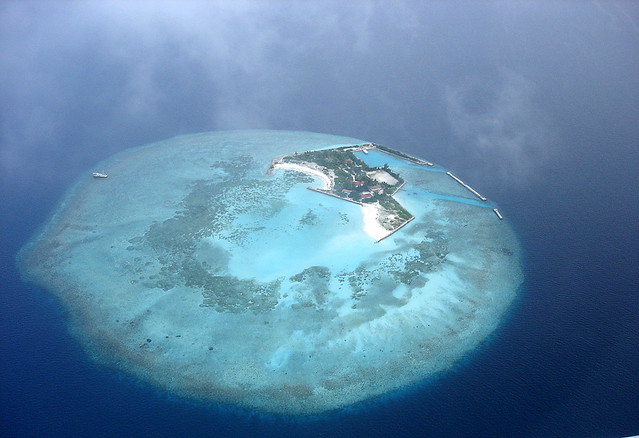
(328, 184)
(370, 212)
(372, 227)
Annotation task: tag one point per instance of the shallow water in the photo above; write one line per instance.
(193, 269)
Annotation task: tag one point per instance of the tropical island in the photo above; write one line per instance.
(192, 270)
(347, 177)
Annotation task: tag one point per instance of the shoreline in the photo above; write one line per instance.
(328, 183)
(374, 215)
(371, 226)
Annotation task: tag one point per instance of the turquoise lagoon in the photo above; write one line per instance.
(195, 270)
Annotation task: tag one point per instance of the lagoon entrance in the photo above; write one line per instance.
(196, 269)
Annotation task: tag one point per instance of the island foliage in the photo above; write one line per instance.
(352, 179)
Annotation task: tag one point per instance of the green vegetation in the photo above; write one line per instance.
(390, 204)
(351, 176)
(354, 180)
(399, 154)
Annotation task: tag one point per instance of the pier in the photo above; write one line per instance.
(499, 215)
(469, 188)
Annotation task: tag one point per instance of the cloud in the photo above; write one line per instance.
(103, 75)
(250, 57)
(242, 60)
(79, 76)
(499, 126)
(86, 69)
(620, 15)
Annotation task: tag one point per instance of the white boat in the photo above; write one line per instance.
(100, 174)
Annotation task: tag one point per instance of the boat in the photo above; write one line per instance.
(100, 174)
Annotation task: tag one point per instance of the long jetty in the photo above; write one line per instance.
(469, 188)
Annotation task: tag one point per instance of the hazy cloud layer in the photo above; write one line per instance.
(81, 80)
(502, 123)
(227, 65)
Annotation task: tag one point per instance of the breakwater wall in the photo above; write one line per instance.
(334, 195)
(405, 157)
(398, 188)
(469, 188)
(396, 229)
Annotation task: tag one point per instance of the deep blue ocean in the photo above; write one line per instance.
(564, 363)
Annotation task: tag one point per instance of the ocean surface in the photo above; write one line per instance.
(564, 362)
